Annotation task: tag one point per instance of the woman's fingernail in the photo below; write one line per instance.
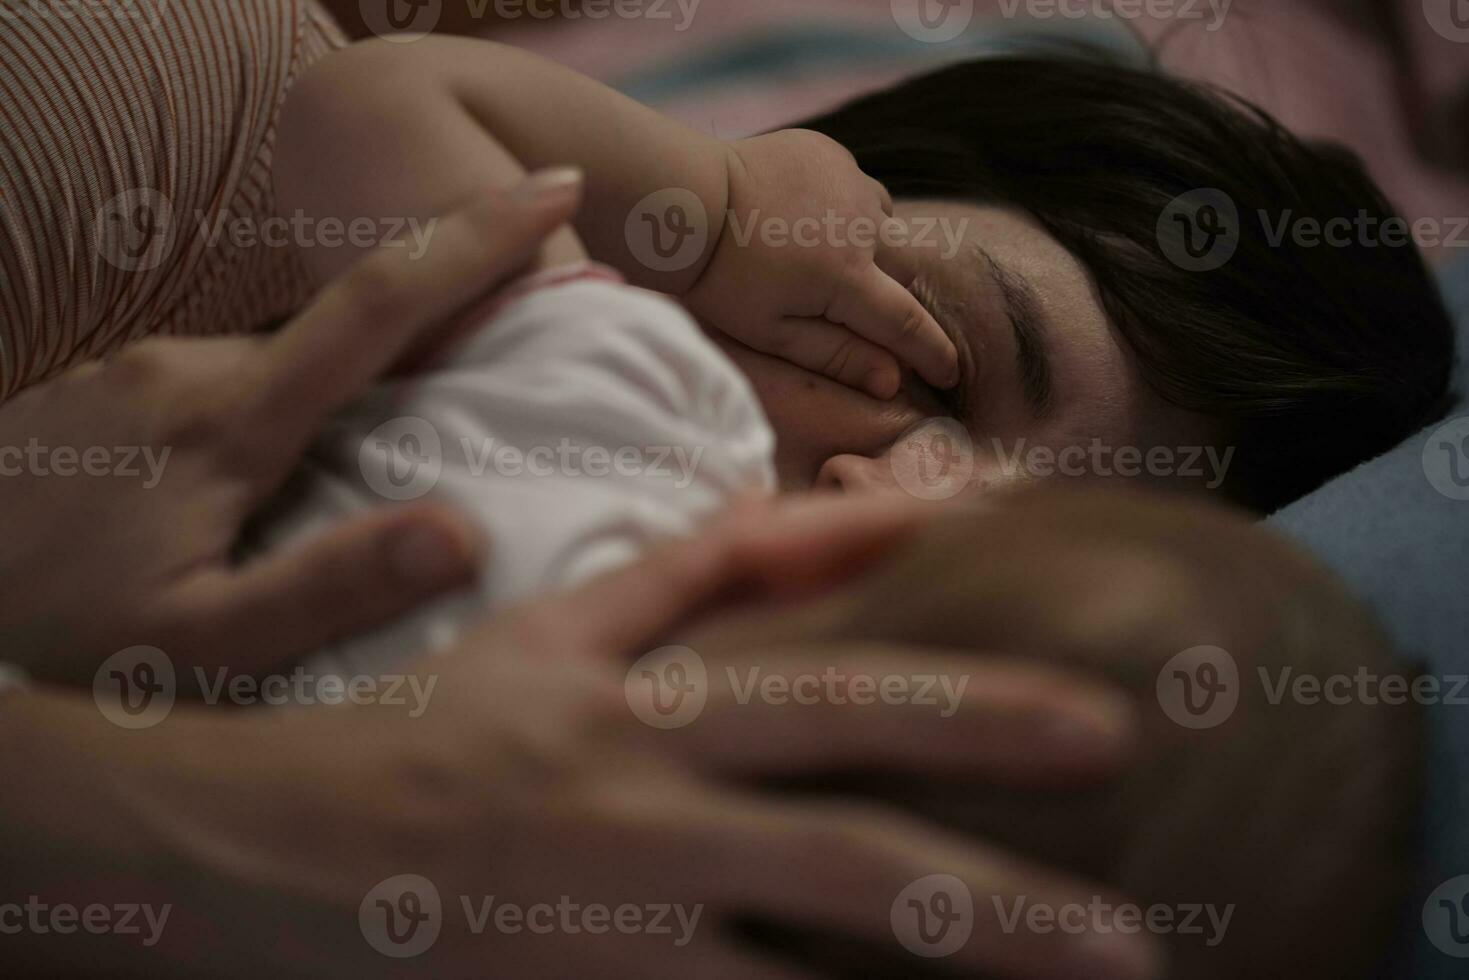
(1106, 726)
(1119, 956)
(430, 557)
(549, 183)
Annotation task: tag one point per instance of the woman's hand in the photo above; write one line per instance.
(812, 267)
(527, 779)
(126, 482)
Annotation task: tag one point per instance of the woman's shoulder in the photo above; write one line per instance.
(135, 189)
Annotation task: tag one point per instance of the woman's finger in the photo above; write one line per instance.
(394, 301)
(854, 870)
(877, 307)
(878, 874)
(350, 579)
(788, 712)
(773, 549)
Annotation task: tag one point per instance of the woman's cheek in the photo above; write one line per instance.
(933, 459)
(815, 418)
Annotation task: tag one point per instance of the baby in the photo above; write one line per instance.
(582, 421)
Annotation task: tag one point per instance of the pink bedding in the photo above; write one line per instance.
(1388, 92)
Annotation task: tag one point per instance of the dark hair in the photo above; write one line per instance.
(1310, 359)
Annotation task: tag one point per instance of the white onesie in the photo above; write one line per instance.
(583, 421)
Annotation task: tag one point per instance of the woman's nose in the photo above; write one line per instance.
(856, 474)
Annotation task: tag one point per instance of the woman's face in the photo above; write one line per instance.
(1043, 372)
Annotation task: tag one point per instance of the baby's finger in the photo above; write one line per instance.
(831, 351)
(884, 199)
(880, 309)
(899, 263)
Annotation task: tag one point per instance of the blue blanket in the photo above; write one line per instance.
(1397, 530)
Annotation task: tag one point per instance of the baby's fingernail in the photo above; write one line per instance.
(880, 384)
(549, 183)
(429, 557)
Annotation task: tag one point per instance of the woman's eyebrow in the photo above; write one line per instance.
(1032, 332)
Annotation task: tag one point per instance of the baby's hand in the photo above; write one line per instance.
(801, 271)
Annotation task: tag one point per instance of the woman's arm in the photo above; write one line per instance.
(275, 842)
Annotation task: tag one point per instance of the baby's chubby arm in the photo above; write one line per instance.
(398, 133)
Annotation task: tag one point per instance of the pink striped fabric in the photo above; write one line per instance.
(131, 133)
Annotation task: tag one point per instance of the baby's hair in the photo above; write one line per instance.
(1301, 816)
(1310, 360)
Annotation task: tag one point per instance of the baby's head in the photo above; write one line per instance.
(1135, 270)
(1293, 818)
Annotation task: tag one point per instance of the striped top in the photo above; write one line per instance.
(135, 137)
